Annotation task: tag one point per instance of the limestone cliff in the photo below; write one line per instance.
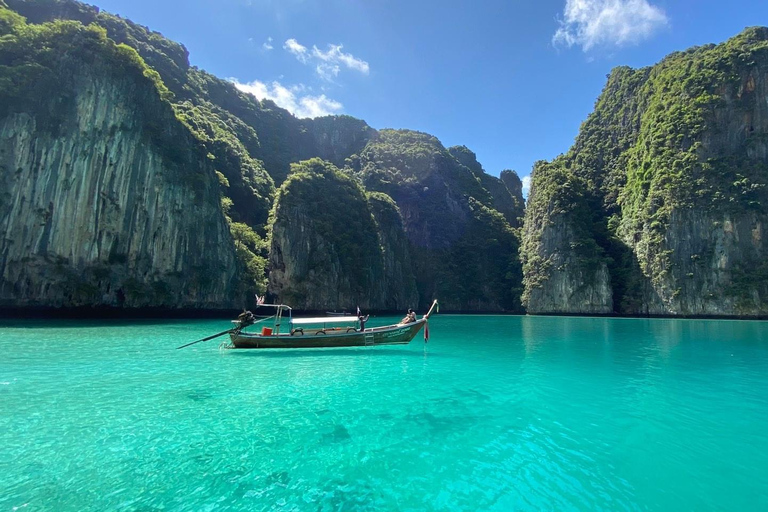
(507, 201)
(463, 249)
(332, 247)
(395, 283)
(107, 199)
(660, 205)
(514, 185)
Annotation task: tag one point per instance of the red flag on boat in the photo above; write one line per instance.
(426, 332)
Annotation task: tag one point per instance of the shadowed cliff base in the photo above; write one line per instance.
(657, 316)
(106, 312)
(114, 313)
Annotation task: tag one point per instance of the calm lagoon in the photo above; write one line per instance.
(494, 413)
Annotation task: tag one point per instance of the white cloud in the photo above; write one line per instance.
(590, 23)
(293, 98)
(268, 44)
(328, 63)
(327, 71)
(298, 50)
(526, 186)
(335, 55)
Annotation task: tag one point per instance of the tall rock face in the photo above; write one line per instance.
(336, 138)
(506, 201)
(660, 206)
(429, 215)
(514, 185)
(463, 249)
(395, 284)
(564, 268)
(334, 247)
(106, 199)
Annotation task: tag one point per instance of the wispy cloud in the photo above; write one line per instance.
(334, 55)
(327, 71)
(268, 44)
(526, 186)
(296, 98)
(327, 63)
(592, 23)
(297, 50)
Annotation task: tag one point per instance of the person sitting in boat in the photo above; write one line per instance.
(410, 317)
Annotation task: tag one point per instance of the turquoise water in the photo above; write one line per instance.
(494, 413)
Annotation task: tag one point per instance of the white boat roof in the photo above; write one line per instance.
(325, 320)
(281, 306)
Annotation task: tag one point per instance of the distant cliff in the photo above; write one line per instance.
(464, 249)
(327, 256)
(660, 205)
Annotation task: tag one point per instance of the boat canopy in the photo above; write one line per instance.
(325, 320)
(279, 306)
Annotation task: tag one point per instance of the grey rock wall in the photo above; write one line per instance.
(99, 211)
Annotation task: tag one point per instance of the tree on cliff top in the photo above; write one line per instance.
(324, 215)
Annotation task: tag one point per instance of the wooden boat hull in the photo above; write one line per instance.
(389, 335)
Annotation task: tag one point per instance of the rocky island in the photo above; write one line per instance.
(660, 205)
(130, 179)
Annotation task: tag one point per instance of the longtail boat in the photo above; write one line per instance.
(321, 332)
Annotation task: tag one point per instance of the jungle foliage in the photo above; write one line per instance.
(650, 147)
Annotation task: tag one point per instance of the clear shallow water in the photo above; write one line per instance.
(495, 413)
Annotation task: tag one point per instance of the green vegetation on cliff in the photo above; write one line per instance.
(481, 271)
(91, 120)
(333, 245)
(315, 190)
(249, 187)
(34, 61)
(687, 134)
(451, 218)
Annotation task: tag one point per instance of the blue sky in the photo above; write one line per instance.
(512, 80)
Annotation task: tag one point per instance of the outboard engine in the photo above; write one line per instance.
(245, 319)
